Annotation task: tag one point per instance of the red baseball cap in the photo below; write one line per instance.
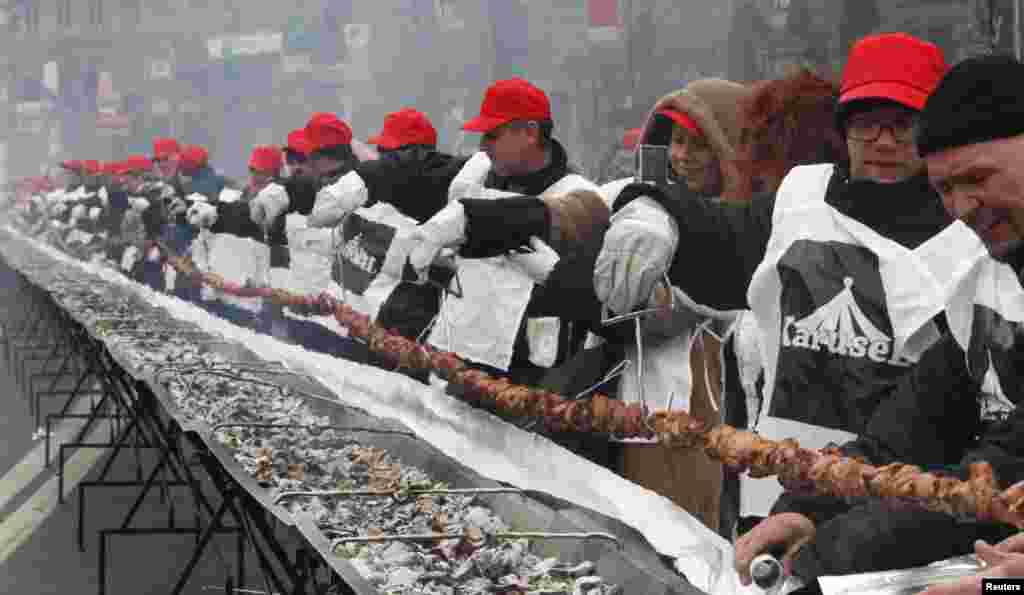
(72, 165)
(405, 127)
(266, 159)
(137, 164)
(325, 130)
(507, 101)
(92, 167)
(631, 138)
(893, 66)
(683, 119)
(164, 148)
(112, 168)
(298, 143)
(192, 158)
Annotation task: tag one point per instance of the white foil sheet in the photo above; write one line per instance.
(901, 582)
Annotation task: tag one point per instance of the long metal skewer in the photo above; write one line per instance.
(375, 494)
(431, 537)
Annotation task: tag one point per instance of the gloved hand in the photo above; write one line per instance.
(94, 213)
(637, 251)
(229, 195)
(177, 207)
(448, 227)
(104, 197)
(167, 191)
(196, 197)
(59, 209)
(537, 264)
(445, 229)
(268, 205)
(77, 213)
(202, 215)
(138, 204)
(336, 200)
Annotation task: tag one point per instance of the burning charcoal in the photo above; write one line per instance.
(402, 577)
(464, 570)
(476, 586)
(399, 554)
(484, 519)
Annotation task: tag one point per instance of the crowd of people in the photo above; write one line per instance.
(838, 263)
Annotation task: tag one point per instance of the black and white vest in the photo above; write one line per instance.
(842, 312)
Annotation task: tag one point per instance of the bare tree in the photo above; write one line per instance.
(986, 27)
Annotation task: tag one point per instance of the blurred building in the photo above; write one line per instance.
(102, 77)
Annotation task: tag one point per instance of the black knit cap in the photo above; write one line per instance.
(980, 99)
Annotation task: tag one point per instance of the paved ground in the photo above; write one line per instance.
(38, 549)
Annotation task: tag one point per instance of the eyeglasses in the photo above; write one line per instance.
(868, 130)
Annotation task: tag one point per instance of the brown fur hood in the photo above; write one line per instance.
(715, 105)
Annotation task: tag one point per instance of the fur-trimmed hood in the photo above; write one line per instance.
(715, 105)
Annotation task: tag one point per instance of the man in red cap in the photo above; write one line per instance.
(330, 141)
(73, 174)
(845, 317)
(195, 174)
(404, 130)
(165, 158)
(412, 174)
(236, 217)
(496, 218)
(379, 200)
(297, 153)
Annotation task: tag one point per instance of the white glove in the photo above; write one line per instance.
(177, 207)
(94, 213)
(423, 254)
(167, 191)
(269, 204)
(59, 209)
(335, 201)
(470, 180)
(139, 204)
(129, 257)
(637, 251)
(537, 264)
(77, 212)
(229, 195)
(202, 215)
(447, 227)
(196, 197)
(104, 197)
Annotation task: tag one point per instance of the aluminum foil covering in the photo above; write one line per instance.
(901, 582)
(480, 441)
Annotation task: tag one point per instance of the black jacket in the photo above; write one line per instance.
(414, 182)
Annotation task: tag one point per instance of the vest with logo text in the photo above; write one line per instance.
(986, 317)
(843, 314)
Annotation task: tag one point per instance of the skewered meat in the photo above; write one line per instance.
(827, 471)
